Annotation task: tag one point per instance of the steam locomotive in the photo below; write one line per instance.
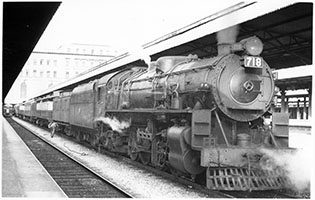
(189, 116)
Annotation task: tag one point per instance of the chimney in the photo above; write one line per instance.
(226, 38)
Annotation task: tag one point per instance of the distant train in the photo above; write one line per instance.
(197, 118)
(8, 110)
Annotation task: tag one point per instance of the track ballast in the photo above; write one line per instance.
(73, 178)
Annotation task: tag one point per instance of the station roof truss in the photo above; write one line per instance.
(286, 34)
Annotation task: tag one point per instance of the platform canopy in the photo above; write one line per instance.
(23, 25)
(295, 78)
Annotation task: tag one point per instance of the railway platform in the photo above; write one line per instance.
(22, 173)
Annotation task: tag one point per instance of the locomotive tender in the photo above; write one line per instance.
(193, 117)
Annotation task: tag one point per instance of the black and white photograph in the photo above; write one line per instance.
(157, 99)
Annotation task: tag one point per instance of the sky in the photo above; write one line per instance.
(122, 24)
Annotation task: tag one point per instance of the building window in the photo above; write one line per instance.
(55, 62)
(48, 74)
(55, 74)
(41, 62)
(92, 51)
(48, 62)
(34, 73)
(26, 73)
(35, 62)
(67, 74)
(41, 74)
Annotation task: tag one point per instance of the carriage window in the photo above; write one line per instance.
(99, 94)
(109, 85)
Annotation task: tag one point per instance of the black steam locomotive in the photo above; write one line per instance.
(193, 117)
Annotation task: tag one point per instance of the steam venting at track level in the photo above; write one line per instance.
(297, 171)
(114, 123)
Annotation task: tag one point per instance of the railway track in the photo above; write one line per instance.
(74, 179)
(197, 186)
(202, 188)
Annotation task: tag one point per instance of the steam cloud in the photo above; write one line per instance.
(139, 52)
(114, 123)
(228, 35)
(298, 171)
(133, 48)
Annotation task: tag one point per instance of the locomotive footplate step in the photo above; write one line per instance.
(244, 179)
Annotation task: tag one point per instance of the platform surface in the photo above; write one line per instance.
(22, 173)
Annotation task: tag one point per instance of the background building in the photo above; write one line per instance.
(45, 69)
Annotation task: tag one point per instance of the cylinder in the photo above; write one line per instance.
(181, 157)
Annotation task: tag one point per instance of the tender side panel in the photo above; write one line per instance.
(82, 106)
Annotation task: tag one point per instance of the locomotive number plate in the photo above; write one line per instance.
(253, 61)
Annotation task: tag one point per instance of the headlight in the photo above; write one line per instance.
(253, 46)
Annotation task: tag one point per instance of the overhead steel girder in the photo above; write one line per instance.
(290, 36)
